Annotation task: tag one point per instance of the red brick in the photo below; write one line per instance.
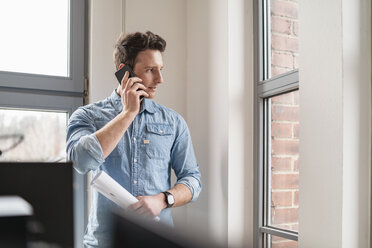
(295, 28)
(292, 226)
(284, 8)
(296, 97)
(295, 227)
(284, 147)
(281, 199)
(284, 181)
(285, 113)
(295, 164)
(283, 99)
(275, 239)
(278, 70)
(282, 59)
(281, 130)
(295, 62)
(284, 43)
(296, 131)
(296, 194)
(281, 164)
(285, 215)
(285, 244)
(284, 226)
(280, 25)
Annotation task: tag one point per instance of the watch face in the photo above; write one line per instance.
(170, 199)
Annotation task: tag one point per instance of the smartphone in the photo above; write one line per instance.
(120, 74)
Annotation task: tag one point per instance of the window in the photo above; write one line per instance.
(277, 123)
(42, 68)
(38, 45)
(42, 45)
(32, 135)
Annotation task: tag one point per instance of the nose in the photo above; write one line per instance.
(159, 77)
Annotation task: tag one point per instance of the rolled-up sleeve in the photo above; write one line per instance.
(83, 147)
(184, 162)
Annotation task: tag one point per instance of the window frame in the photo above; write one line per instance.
(265, 87)
(65, 94)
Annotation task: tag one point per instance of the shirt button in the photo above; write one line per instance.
(161, 131)
(134, 139)
(135, 160)
(135, 182)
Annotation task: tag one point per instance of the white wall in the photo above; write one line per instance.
(335, 101)
(104, 28)
(356, 30)
(207, 105)
(220, 109)
(241, 103)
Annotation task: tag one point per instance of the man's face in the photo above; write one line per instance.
(149, 64)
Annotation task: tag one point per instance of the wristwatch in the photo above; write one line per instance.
(169, 199)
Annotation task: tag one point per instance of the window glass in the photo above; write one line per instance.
(284, 36)
(35, 37)
(284, 159)
(43, 132)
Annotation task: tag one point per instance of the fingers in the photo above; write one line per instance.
(138, 89)
(124, 81)
(134, 206)
(143, 208)
(131, 81)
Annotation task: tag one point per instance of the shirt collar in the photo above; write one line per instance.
(146, 104)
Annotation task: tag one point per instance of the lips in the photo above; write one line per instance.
(152, 88)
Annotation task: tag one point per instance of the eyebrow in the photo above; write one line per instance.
(151, 67)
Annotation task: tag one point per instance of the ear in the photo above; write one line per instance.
(121, 66)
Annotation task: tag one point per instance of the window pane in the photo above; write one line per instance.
(44, 135)
(284, 173)
(35, 36)
(284, 36)
(278, 242)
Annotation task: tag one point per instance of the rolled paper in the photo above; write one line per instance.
(112, 190)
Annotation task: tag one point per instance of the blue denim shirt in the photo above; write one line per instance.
(157, 141)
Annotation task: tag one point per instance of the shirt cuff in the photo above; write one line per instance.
(93, 147)
(88, 154)
(194, 186)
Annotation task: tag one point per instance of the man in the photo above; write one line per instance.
(135, 140)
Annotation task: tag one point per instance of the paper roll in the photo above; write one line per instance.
(111, 189)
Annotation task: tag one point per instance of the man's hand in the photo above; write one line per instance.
(149, 206)
(130, 91)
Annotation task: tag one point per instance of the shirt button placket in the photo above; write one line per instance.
(134, 161)
(135, 169)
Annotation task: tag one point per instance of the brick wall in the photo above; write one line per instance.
(285, 122)
(284, 160)
(284, 36)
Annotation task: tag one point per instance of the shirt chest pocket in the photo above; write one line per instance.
(157, 141)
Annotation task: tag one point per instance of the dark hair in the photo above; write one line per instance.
(129, 45)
